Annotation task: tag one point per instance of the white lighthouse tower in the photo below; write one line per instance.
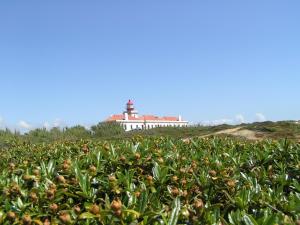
(130, 110)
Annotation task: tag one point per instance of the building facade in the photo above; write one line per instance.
(130, 120)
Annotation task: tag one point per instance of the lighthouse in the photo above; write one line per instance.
(130, 120)
(130, 110)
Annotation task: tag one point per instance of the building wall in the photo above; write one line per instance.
(132, 125)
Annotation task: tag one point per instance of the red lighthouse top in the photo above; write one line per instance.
(130, 109)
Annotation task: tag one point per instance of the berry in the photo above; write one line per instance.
(95, 209)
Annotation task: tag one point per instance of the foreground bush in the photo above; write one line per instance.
(150, 181)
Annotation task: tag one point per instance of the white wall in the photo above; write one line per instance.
(132, 125)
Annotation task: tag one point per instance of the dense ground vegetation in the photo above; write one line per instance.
(150, 181)
(112, 131)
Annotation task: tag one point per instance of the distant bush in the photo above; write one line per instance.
(113, 130)
(77, 132)
(107, 129)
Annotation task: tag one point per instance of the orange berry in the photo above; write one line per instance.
(36, 172)
(137, 156)
(33, 196)
(77, 209)
(65, 166)
(212, 173)
(198, 203)
(46, 222)
(61, 179)
(183, 181)
(174, 178)
(112, 178)
(65, 218)
(123, 158)
(11, 216)
(95, 209)
(116, 205)
(12, 166)
(231, 183)
(175, 191)
(26, 220)
(53, 207)
(93, 169)
(149, 178)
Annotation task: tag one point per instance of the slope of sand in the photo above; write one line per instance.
(238, 131)
(241, 132)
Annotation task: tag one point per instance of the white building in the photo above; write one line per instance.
(131, 120)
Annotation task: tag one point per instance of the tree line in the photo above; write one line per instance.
(99, 131)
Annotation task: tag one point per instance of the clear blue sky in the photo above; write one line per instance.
(77, 62)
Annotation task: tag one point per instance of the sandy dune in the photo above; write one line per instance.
(239, 131)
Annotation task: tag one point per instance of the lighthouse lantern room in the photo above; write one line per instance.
(130, 109)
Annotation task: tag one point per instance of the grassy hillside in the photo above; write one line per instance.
(275, 130)
(263, 130)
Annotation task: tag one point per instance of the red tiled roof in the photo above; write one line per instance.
(143, 118)
(115, 117)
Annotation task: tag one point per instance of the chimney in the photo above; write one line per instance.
(179, 118)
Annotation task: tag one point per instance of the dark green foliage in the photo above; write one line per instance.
(76, 132)
(151, 181)
(107, 129)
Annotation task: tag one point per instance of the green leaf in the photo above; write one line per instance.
(38, 222)
(87, 215)
(142, 203)
(271, 220)
(107, 202)
(132, 212)
(156, 171)
(20, 203)
(231, 220)
(175, 212)
(249, 220)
